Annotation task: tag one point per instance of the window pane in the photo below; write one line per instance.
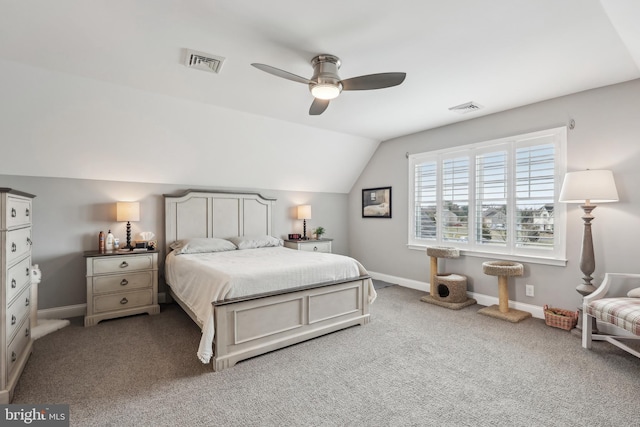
(535, 185)
(491, 198)
(425, 200)
(455, 199)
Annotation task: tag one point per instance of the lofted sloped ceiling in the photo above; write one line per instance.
(99, 89)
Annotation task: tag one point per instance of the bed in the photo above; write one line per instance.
(259, 296)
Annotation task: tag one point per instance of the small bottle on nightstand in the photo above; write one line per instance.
(110, 238)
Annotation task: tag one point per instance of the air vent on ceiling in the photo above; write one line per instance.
(466, 108)
(203, 61)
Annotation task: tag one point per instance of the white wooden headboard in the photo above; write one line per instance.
(216, 214)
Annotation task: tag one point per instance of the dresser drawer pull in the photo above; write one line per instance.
(13, 319)
(123, 301)
(28, 271)
(14, 356)
(13, 247)
(26, 302)
(124, 264)
(26, 332)
(124, 282)
(315, 249)
(13, 213)
(29, 242)
(13, 283)
(26, 212)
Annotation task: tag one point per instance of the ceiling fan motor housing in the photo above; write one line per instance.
(325, 77)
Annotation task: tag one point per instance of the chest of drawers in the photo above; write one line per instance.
(121, 284)
(15, 287)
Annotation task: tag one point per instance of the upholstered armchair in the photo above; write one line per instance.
(616, 307)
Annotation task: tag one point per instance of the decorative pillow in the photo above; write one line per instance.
(634, 293)
(253, 242)
(202, 245)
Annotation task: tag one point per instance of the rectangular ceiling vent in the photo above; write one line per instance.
(466, 108)
(203, 61)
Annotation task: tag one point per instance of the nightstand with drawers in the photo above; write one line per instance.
(121, 284)
(315, 245)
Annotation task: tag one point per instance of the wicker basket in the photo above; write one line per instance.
(560, 318)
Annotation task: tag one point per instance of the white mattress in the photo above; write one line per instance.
(200, 279)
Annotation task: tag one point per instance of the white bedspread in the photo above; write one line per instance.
(200, 279)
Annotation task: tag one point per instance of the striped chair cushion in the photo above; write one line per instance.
(622, 312)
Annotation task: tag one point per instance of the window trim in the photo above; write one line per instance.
(510, 252)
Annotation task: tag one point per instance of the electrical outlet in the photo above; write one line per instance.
(529, 291)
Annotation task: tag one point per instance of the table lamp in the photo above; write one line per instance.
(128, 211)
(304, 213)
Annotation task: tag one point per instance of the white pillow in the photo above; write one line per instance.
(201, 245)
(253, 242)
(634, 293)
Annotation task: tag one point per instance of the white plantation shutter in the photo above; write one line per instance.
(454, 202)
(491, 198)
(535, 189)
(425, 200)
(497, 196)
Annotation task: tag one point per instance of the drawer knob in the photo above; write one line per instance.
(14, 356)
(13, 247)
(124, 282)
(13, 283)
(123, 301)
(26, 212)
(124, 264)
(28, 271)
(13, 213)
(26, 302)
(26, 332)
(13, 319)
(315, 249)
(29, 242)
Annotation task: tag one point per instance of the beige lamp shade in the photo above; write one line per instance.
(128, 211)
(590, 186)
(304, 212)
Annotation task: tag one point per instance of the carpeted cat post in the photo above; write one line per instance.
(446, 289)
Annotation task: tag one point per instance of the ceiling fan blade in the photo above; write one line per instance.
(373, 81)
(318, 106)
(281, 73)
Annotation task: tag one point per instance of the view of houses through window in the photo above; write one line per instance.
(497, 196)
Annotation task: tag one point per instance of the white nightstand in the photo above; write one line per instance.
(121, 284)
(320, 245)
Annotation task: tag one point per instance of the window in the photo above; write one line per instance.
(491, 197)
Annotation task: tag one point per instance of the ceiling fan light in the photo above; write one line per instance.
(325, 91)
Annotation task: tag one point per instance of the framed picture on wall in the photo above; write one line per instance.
(376, 202)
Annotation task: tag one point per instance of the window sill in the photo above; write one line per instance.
(507, 257)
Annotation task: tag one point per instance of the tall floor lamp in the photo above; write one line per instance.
(588, 187)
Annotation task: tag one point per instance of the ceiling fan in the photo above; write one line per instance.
(326, 85)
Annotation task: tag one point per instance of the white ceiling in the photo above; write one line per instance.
(498, 53)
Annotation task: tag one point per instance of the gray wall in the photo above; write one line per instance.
(606, 136)
(69, 214)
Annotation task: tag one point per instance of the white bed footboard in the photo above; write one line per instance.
(249, 327)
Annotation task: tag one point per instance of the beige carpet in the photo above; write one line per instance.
(414, 364)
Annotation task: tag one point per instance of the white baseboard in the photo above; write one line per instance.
(66, 312)
(486, 300)
(78, 310)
